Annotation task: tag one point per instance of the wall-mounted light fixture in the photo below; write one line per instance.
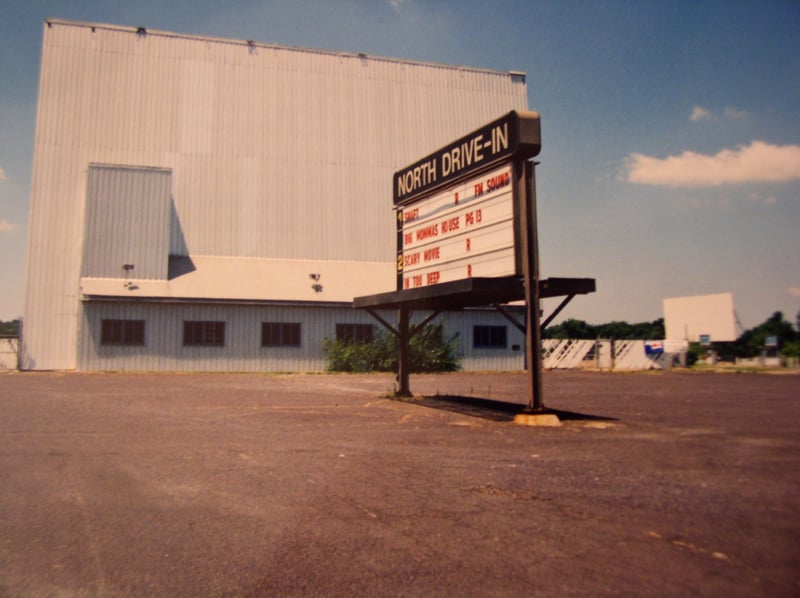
(127, 268)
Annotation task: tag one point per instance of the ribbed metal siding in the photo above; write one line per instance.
(55, 220)
(242, 352)
(275, 152)
(127, 222)
(477, 359)
(164, 350)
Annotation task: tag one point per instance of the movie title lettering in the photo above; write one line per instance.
(411, 258)
(409, 215)
(431, 254)
(432, 230)
(450, 225)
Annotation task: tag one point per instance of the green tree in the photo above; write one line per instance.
(578, 329)
(750, 343)
(791, 349)
(571, 328)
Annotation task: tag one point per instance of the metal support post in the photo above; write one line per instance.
(530, 267)
(404, 361)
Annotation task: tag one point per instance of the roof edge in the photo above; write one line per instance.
(97, 298)
(141, 30)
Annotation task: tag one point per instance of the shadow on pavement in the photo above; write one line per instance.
(493, 410)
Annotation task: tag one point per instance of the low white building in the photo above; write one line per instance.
(213, 204)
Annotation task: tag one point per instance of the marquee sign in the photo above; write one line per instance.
(513, 135)
(464, 231)
(456, 209)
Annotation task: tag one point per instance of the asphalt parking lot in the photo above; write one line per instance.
(669, 484)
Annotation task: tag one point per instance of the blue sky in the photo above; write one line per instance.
(670, 161)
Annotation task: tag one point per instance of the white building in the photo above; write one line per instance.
(213, 204)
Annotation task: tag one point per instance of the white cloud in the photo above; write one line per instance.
(397, 4)
(794, 292)
(699, 113)
(735, 113)
(759, 162)
(759, 198)
(6, 226)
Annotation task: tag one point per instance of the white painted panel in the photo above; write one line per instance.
(565, 354)
(689, 318)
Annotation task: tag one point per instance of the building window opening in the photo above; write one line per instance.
(280, 334)
(354, 333)
(489, 337)
(201, 333)
(122, 332)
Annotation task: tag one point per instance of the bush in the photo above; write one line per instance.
(791, 349)
(695, 353)
(379, 355)
(429, 352)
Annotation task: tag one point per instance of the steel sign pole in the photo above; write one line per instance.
(530, 266)
(404, 357)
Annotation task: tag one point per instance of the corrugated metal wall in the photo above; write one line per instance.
(510, 358)
(164, 351)
(242, 352)
(127, 223)
(275, 152)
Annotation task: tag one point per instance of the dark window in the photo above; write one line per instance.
(280, 334)
(489, 337)
(122, 332)
(204, 333)
(354, 333)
